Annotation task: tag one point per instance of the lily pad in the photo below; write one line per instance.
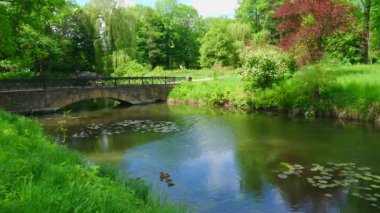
(356, 194)
(282, 176)
(364, 168)
(371, 199)
(328, 195)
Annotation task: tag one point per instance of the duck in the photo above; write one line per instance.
(164, 175)
(168, 180)
(171, 184)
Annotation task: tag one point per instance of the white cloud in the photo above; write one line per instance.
(215, 8)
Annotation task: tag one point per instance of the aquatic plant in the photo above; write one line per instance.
(359, 182)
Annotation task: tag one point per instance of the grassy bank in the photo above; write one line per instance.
(347, 92)
(38, 176)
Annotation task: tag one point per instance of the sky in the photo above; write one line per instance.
(206, 8)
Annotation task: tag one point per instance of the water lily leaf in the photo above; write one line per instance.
(297, 166)
(364, 168)
(366, 178)
(377, 195)
(282, 176)
(328, 195)
(317, 167)
(322, 181)
(356, 194)
(375, 186)
(371, 199)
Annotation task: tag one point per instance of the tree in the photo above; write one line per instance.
(259, 14)
(114, 30)
(375, 42)
(150, 39)
(217, 47)
(169, 35)
(310, 22)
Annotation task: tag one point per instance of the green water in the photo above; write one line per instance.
(223, 161)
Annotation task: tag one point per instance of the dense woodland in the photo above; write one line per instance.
(60, 37)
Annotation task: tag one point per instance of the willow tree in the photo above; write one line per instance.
(114, 28)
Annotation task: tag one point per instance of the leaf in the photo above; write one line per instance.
(328, 195)
(364, 168)
(282, 176)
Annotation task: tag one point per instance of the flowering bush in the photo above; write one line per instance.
(266, 66)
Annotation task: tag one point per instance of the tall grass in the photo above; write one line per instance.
(351, 92)
(38, 176)
(195, 74)
(225, 91)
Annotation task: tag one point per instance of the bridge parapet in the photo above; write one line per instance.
(45, 83)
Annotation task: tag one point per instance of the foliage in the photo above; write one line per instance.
(258, 13)
(266, 66)
(350, 92)
(40, 176)
(217, 47)
(310, 22)
(17, 74)
(114, 29)
(227, 92)
(131, 68)
(344, 48)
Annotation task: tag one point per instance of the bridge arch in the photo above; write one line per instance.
(91, 94)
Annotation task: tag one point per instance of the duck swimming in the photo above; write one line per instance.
(164, 175)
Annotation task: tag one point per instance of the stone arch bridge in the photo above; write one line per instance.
(42, 95)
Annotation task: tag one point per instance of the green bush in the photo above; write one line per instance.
(131, 68)
(266, 66)
(158, 69)
(217, 48)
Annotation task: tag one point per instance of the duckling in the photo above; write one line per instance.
(168, 180)
(171, 184)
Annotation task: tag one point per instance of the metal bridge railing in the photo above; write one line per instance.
(45, 83)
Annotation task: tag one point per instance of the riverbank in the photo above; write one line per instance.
(344, 92)
(39, 176)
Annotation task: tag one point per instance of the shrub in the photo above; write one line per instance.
(217, 48)
(158, 69)
(266, 66)
(131, 68)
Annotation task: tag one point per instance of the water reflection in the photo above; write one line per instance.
(224, 162)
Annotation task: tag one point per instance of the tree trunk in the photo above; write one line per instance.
(367, 30)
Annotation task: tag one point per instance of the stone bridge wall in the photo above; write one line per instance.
(53, 99)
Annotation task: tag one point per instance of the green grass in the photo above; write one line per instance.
(39, 176)
(351, 91)
(195, 74)
(224, 90)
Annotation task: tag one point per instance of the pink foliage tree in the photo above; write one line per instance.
(309, 22)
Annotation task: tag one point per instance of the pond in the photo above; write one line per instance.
(235, 162)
